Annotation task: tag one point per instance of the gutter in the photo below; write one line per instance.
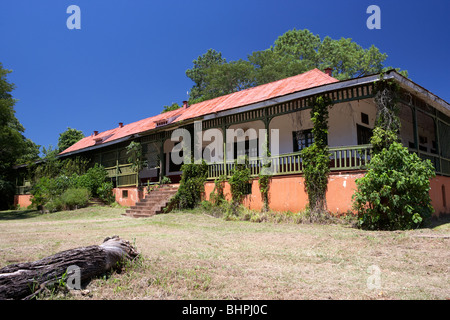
(97, 146)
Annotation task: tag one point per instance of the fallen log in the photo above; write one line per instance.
(26, 280)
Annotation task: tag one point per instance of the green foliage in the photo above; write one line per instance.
(264, 185)
(51, 166)
(75, 198)
(135, 156)
(15, 149)
(198, 74)
(47, 190)
(239, 184)
(51, 192)
(191, 188)
(382, 139)
(165, 180)
(105, 192)
(173, 106)
(68, 138)
(217, 196)
(394, 193)
(93, 179)
(294, 52)
(316, 159)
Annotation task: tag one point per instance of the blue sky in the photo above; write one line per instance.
(129, 58)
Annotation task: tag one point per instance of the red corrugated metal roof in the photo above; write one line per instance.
(260, 93)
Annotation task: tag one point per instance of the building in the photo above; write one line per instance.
(282, 108)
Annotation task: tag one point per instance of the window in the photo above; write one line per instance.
(173, 167)
(249, 152)
(364, 134)
(302, 139)
(364, 118)
(124, 194)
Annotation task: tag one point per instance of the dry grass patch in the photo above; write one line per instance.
(189, 255)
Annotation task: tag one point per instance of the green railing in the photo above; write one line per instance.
(124, 174)
(341, 159)
(441, 164)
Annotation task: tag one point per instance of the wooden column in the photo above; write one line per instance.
(162, 160)
(224, 131)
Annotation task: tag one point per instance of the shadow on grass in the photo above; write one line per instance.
(437, 222)
(18, 214)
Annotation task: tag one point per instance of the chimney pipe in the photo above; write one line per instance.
(329, 71)
(120, 124)
(185, 105)
(95, 133)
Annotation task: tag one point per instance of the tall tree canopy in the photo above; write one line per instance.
(15, 148)
(68, 138)
(292, 53)
(173, 106)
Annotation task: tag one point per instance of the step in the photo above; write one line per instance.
(153, 203)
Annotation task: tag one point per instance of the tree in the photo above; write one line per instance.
(173, 106)
(292, 53)
(14, 147)
(394, 193)
(222, 79)
(69, 138)
(198, 73)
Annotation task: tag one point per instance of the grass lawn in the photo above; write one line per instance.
(190, 255)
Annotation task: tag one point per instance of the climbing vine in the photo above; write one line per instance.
(239, 184)
(394, 193)
(387, 124)
(135, 156)
(217, 196)
(264, 181)
(316, 159)
(191, 188)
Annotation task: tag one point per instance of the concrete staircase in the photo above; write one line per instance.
(153, 203)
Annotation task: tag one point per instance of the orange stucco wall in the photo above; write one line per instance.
(130, 200)
(440, 195)
(23, 200)
(287, 193)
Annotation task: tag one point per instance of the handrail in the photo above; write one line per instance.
(341, 158)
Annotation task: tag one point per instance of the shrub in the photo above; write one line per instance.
(55, 205)
(47, 189)
(93, 179)
(394, 193)
(105, 192)
(191, 188)
(75, 197)
(165, 180)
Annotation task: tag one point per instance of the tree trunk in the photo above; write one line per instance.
(26, 280)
